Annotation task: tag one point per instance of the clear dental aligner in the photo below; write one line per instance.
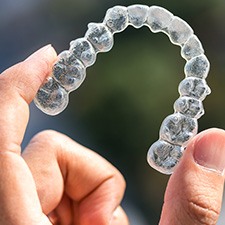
(177, 129)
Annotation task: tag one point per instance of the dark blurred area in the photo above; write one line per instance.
(118, 110)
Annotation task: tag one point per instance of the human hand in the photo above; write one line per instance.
(194, 192)
(55, 180)
(58, 181)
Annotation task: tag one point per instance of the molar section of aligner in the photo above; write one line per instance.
(51, 98)
(190, 107)
(137, 15)
(83, 50)
(159, 19)
(194, 87)
(178, 129)
(100, 37)
(116, 19)
(197, 67)
(68, 71)
(164, 156)
(179, 31)
(192, 48)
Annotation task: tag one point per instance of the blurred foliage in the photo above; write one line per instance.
(131, 89)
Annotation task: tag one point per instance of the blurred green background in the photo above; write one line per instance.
(128, 92)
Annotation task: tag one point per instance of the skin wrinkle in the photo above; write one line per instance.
(109, 178)
(10, 147)
(64, 210)
(202, 215)
(40, 141)
(200, 207)
(7, 158)
(62, 163)
(28, 87)
(22, 85)
(20, 90)
(14, 104)
(198, 212)
(90, 176)
(107, 174)
(80, 201)
(62, 153)
(112, 175)
(194, 193)
(95, 209)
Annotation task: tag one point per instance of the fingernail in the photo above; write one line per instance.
(48, 49)
(209, 150)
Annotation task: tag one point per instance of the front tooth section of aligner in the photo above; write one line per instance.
(178, 129)
(197, 67)
(83, 50)
(159, 19)
(192, 48)
(179, 31)
(194, 87)
(164, 156)
(116, 18)
(189, 107)
(51, 98)
(69, 72)
(100, 36)
(137, 15)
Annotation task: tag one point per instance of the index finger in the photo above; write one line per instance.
(18, 86)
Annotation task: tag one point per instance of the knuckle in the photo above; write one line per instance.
(121, 180)
(46, 137)
(116, 179)
(5, 83)
(114, 175)
(203, 211)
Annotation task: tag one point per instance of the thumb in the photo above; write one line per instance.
(194, 192)
(18, 86)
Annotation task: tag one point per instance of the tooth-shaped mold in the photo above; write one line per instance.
(192, 48)
(51, 98)
(117, 18)
(188, 106)
(159, 19)
(164, 156)
(177, 129)
(83, 50)
(137, 15)
(69, 72)
(179, 31)
(100, 36)
(197, 67)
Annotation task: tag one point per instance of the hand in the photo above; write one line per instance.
(194, 192)
(57, 181)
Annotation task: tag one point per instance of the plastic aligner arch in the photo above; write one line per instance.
(177, 129)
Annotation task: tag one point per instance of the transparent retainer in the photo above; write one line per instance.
(69, 72)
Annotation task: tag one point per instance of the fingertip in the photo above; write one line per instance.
(27, 77)
(47, 51)
(40, 64)
(208, 150)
